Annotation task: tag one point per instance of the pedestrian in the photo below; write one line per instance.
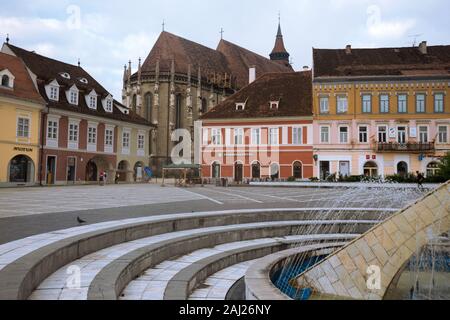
(102, 177)
(420, 180)
(105, 177)
(116, 180)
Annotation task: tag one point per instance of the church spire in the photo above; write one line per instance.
(279, 52)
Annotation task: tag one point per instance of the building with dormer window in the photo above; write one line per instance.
(82, 126)
(381, 111)
(269, 137)
(20, 110)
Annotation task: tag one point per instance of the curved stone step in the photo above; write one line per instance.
(25, 263)
(113, 278)
(219, 285)
(186, 280)
(257, 278)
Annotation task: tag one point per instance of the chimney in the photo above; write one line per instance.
(348, 49)
(423, 47)
(252, 74)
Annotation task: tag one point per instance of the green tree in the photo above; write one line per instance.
(444, 167)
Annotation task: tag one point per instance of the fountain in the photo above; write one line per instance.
(423, 276)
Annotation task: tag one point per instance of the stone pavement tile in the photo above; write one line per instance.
(45, 294)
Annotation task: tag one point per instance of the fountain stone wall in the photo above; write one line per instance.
(365, 267)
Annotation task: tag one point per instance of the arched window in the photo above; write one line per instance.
(371, 169)
(149, 107)
(256, 170)
(134, 102)
(274, 171)
(204, 106)
(297, 170)
(402, 168)
(5, 81)
(432, 169)
(178, 111)
(21, 169)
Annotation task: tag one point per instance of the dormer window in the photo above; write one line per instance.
(52, 90)
(54, 93)
(91, 100)
(5, 81)
(274, 105)
(240, 106)
(65, 75)
(108, 103)
(83, 80)
(72, 95)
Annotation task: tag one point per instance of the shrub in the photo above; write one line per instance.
(444, 167)
(291, 179)
(314, 179)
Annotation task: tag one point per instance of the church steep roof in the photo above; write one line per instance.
(227, 58)
(184, 52)
(292, 91)
(240, 60)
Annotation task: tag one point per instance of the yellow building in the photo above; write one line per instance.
(20, 116)
(381, 112)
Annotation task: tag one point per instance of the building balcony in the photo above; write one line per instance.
(413, 147)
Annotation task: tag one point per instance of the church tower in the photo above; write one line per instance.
(279, 53)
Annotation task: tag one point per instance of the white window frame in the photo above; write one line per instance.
(274, 136)
(405, 101)
(427, 134)
(74, 142)
(216, 136)
(54, 93)
(384, 104)
(140, 140)
(239, 136)
(442, 106)
(341, 104)
(324, 108)
(109, 147)
(91, 100)
(322, 134)
(52, 134)
(398, 134)
(424, 106)
(386, 133)
(347, 134)
(256, 136)
(126, 139)
(439, 136)
(26, 124)
(297, 139)
(360, 132)
(92, 135)
(366, 105)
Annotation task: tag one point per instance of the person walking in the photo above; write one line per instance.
(420, 180)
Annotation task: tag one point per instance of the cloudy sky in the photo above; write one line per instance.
(105, 34)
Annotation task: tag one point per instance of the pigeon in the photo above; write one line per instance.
(80, 221)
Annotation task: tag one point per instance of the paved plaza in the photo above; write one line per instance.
(25, 212)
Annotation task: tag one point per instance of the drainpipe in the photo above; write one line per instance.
(41, 164)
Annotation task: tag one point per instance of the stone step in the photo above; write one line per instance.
(25, 263)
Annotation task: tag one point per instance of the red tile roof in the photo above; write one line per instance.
(47, 70)
(381, 62)
(23, 84)
(293, 90)
(228, 58)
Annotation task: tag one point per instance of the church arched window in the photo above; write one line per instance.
(148, 107)
(204, 106)
(178, 111)
(133, 103)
